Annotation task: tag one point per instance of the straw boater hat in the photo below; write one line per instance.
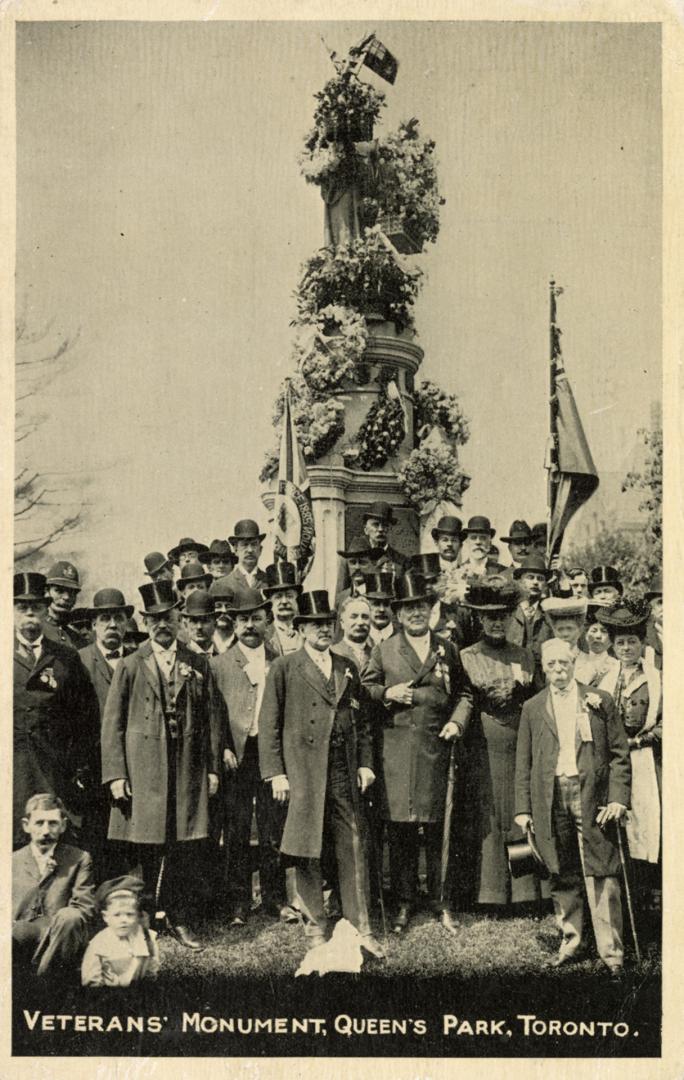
(158, 597)
(281, 576)
(492, 597)
(186, 544)
(109, 600)
(572, 607)
(314, 606)
(412, 586)
(448, 526)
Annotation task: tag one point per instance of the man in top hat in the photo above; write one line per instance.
(199, 622)
(476, 560)
(218, 559)
(163, 735)
(572, 788)
(282, 590)
(55, 712)
(605, 587)
(223, 594)
(315, 750)
(247, 544)
(109, 616)
(380, 594)
(240, 675)
(377, 521)
(420, 681)
(187, 550)
(63, 586)
(519, 543)
(193, 577)
(158, 567)
(527, 626)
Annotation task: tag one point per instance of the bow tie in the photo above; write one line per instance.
(113, 655)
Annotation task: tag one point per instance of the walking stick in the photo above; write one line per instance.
(377, 856)
(159, 916)
(630, 909)
(446, 833)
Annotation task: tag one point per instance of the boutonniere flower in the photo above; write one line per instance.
(348, 673)
(47, 676)
(593, 701)
(50, 865)
(186, 672)
(442, 668)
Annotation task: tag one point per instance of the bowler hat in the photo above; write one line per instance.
(246, 529)
(493, 597)
(80, 617)
(193, 571)
(379, 586)
(314, 606)
(519, 530)
(223, 588)
(198, 603)
(29, 586)
(604, 575)
(448, 526)
(412, 586)
(479, 524)
(532, 563)
(656, 587)
(155, 561)
(64, 574)
(158, 597)
(186, 544)
(133, 634)
(109, 600)
(629, 616)
(427, 564)
(524, 858)
(246, 600)
(358, 547)
(126, 885)
(382, 511)
(280, 576)
(218, 549)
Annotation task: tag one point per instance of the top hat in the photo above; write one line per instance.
(218, 549)
(186, 544)
(656, 587)
(359, 546)
(564, 607)
(29, 586)
(519, 530)
(158, 597)
(382, 511)
(155, 561)
(109, 600)
(280, 576)
(479, 524)
(246, 529)
(192, 571)
(246, 600)
(64, 574)
(223, 588)
(126, 885)
(448, 526)
(314, 606)
(492, 596)
(198, 603)
(412, 586)
(524, 857)
(604, 575)
(629, 616)
(535, 563)
(427, 564)
(379, 586)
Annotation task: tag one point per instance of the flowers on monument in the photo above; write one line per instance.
(319, 159)
(407, 186)
(329, 348)
(347, 108)
(431, 476)
(381, 433)
(434, 406)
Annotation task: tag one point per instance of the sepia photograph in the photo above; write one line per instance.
(338, 540)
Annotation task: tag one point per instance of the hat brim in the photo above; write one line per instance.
(430, 597)
(233, 611)
(391, 520)
(434, 533)
(127, 609)
(163, 566)
(63, 583)
(234, 539)
(181, 583)
(328, 616)
(206, 557)
(492, 609)
(173, 554)
(514, 539)
(269, 590)
(158, 609)
(389, 597)
(519, 571)
(32, 596)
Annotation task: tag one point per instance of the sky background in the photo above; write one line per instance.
(161, 215)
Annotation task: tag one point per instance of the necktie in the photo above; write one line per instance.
(31, 651)
(112, 656)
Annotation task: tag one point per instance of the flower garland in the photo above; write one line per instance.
(432, 476)
(347, 108)
(329, 348)
(407, 182)
(432, 405)
(380, 434)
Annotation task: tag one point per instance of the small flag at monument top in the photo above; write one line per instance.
(379, 59)
(294, 529)
(573, 477)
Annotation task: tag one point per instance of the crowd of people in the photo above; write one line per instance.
(450, 732)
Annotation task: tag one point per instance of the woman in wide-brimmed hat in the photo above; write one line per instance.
(503, 678)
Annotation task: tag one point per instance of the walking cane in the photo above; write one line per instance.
(630, 909)
(377, 856)
(446, 833)
(159, 916)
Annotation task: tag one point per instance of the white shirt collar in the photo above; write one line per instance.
(119, 652)
(382, 635)
(254, 656)
(322, 660)
(34, 645)
(287, 629)
(41, 857)
(420, 645)
(161, 651)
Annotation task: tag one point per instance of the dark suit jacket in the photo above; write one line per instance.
(295, 724)
(135, 745)
(56, 720)
(238, 692)
(604, 772)
(343, 648)
(530, 636)
(69, 885)
(236, 577)
(100, 672)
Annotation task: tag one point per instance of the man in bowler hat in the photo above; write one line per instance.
(519, 541)
(315, 750)
(247, 542)
(163, 735)
(528, 626)
(377, 522)
(219, 559)
(420, 682)
(158, 567)
(187, 550)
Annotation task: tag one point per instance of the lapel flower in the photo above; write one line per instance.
(50, 865)
(47, 676)
(184, 670)
(593, 701)
(348, 674)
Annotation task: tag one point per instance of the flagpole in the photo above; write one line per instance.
(552, 485)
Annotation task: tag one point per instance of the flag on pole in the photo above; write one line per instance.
(379, 59)
(294, 529)
(573, 476)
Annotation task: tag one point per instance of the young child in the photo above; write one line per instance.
(126, 951)
(52, 889)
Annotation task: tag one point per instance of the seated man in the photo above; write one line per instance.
(52, 889)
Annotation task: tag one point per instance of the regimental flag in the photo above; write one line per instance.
(294, 530)
(572, 474)
(379, 59)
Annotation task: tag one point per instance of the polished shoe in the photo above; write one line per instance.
(239, 916)
(185, 937)
(372, 946)
(401, 919)
(448, 921)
